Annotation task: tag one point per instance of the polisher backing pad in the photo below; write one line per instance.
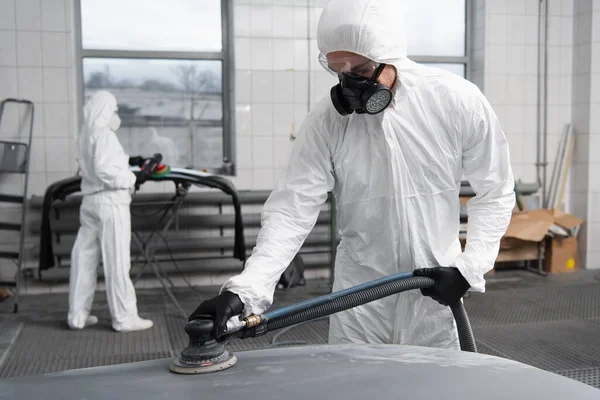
(187, 367)
(162, 170)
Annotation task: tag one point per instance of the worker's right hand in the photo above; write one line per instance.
(220, 309)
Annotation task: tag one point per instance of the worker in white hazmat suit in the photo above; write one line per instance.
(392, 142)
(105, 232)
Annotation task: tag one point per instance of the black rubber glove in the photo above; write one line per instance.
(220, 308)
(450, 286)
(136, 161)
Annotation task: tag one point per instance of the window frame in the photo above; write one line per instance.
(226, 56)
(466, 59)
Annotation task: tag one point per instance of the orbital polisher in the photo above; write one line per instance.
(205, 354)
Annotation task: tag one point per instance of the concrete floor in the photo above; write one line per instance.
(551, 323)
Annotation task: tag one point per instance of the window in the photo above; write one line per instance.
(438, 32)
(168, 64)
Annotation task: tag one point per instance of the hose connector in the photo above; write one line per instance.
(253, 320)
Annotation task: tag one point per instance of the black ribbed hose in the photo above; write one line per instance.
(465, 334)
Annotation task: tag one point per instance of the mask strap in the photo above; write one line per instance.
(378, 71)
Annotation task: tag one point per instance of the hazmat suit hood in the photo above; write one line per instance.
(374, 29)
(99, 110)
(371, 28)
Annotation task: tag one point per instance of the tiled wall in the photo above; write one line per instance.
(36, 63)
(511, 84)
(278, 77)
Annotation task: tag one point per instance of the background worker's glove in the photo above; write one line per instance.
(136, 161)
(450, 286)
(220, 308)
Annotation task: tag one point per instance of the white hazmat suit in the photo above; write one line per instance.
(105, 231)
(396, 177)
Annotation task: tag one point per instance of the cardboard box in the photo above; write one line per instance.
(562, 255)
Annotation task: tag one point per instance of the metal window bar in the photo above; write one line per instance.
(14, 158)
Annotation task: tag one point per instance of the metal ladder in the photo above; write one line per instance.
(14, 159)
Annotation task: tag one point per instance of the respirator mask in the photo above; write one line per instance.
(355, 92)
(115, 122)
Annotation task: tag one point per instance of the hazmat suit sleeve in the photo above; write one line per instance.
(111, 163)
(486, 165)
(288, 216)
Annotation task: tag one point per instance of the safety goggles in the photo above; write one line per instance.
(356, 65)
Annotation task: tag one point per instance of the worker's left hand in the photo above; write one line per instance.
(450, 286)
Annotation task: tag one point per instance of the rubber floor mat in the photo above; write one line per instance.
(552, 346)
(589, 376)
(51, 347)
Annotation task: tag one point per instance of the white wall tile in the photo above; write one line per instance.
(530, 30)
(261, 21)
(283, 119)
(531, 7)
(55, 85)
(243, 179)
(29, 49)
(58, 155)
(38, 120)
(283, 87)
(299, 115)
(567, 7)
(243, 53)
(496, 59)
(314, 15)
(497, 29)
(565, 91)
(515, 7)
(8, 82)
(241, 18)
(278, 175)
(54, 49)
(244, 152)
(282, 151)
(262, 87)
(301, 82)
(54, 15)
(300, 24)
(283, 22)
(262, 179)
(516, 60)
(243, 120)
(7, 15)
(516, 29)
(496, 7)
(8, 48)
(243, 87)
(56, 119)
(581, 154)
(37, 183)
(262, 152)
(31, 84)
(515, 146)
(262, 119)
(29, 15)
(283, 50)
(261, 54)
(38, 155)
(301, 55)
(554, 60)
